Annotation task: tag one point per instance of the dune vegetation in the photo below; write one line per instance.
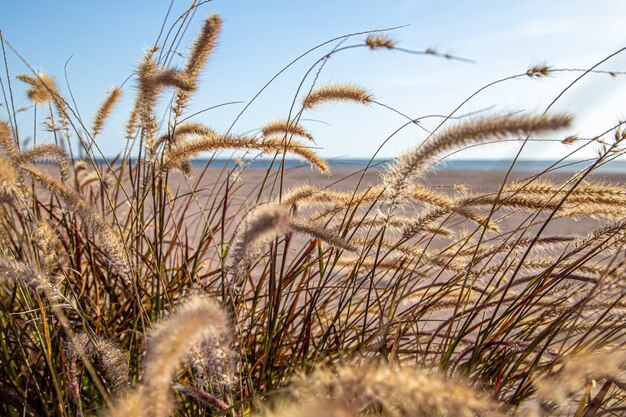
(397, 298)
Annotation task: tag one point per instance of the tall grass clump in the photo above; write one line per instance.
(142, 285)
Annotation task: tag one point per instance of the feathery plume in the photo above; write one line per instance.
(111, 359)
(319, 232)
(572, 376)
(258, 228)
(203, 46)
(398, 223)
(599, 193)
(43, 90)
(167, 77)
(519, 200)
(394, 391)
(379, 41)
(568, 140)
(88, 179)
(420, 223)
(27, 275)
(110, 241)
(7, 142)
(308, 408)
(594, 211)
(105, 110)
(47, 150)
(299, 193)
(538, 71)
(296, 148)
(183, 150)
(336, 92)
(80, 167)
(42, 87)
(190, 128)
(47, 240)
(152, 81)
(412, 164)
(281, 127)
(307, 194)
(202, 397)
(185, 129)
(8, 179)
(131, 125)
(195, 320)
(104, 179)
(214, 362)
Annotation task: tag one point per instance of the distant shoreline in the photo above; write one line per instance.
(530, 166)
(535, 166)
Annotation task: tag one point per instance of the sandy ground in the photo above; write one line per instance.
(346, 179)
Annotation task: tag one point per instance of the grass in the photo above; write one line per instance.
(126, 294)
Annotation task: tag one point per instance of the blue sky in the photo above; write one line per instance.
(105, 40)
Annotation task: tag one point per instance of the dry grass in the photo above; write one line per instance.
(398, 299)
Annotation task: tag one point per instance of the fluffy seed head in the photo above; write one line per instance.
(297, 148)
(202, 49)
(6, 141)
(258, 228)
(185, 149)
(336, 92)
(111, 359)
(8, 179)
(80, 167)
(44, 90)
(281, 127)
(105, 109)
(197, 319)
(538, 71)
(394, 391)
(321, 233)
(569, 139)
(27, 275)
(204, 45)
(571, 378)
(110, 241)
(379, 41)
(412, 164)
(42, 87)
(47, 150)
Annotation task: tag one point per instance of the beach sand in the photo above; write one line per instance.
(247, 190)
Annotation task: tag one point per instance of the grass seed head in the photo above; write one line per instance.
(336, 92)
(413, 164)
(379, 41)
(197, 319)
(105, 109)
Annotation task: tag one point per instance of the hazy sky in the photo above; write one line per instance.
(106, 39)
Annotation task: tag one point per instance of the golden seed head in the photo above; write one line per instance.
(8, 177)
(414, 163)
(204, 45)
(336, 92)
(258, 228)
(538, 71)
(42, 87)
(282, 127)
(378, 41)
(569, 139)
(105, 109)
